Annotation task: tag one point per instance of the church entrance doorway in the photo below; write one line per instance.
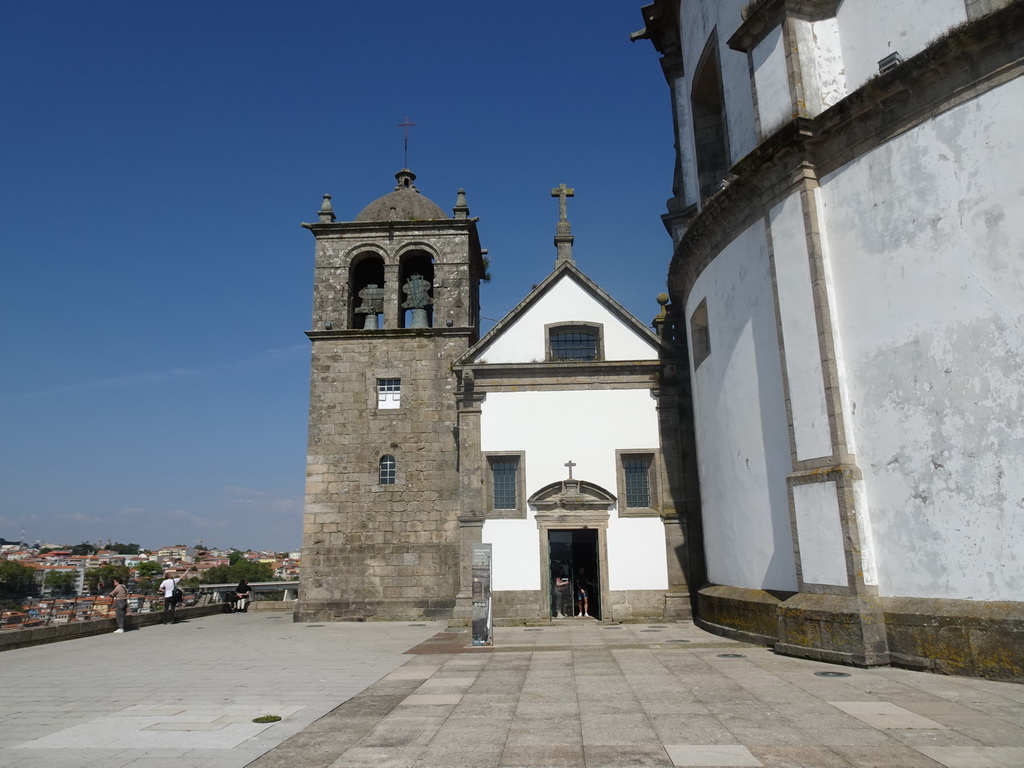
(574, 555)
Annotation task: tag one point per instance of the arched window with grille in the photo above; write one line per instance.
(387, 471)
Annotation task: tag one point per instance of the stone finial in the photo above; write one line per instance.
(563, 232)
(461, 210)
(662, 318)
(326, 210)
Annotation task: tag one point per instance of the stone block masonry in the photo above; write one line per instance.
(372, 550)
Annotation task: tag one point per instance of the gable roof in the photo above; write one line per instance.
(564, 270)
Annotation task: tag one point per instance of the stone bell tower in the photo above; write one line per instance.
(395, 303)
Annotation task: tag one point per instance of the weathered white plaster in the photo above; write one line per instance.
(821, 64)
(799, 330)
(820, 534)
(740, 422)
(525, 340)
(870, 30)
(587, 427)
(687, 148)
(925, 234)
(774, 98)
(861, 510)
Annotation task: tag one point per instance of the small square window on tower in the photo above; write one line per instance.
(389, 393)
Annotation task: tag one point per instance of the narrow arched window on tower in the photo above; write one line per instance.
(710, 129)
(387, 471)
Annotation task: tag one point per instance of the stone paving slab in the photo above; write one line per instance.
(589, 696)
(185, 695)
(577, 694)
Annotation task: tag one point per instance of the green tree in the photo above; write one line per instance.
(61, 583)
(85, 548)
(149, 569)
(242, 569)
(124, 549)
(17, 580)
(234, 556)
(149, 574)
(105, 575)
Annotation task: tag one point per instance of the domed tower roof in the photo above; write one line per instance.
(406, 203)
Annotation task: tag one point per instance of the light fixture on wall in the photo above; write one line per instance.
(890, 62)
(328, 326)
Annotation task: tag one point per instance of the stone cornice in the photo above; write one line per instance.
(766, 15)
(965, 63)
(377, 228)
(390, 333)
(498, 377)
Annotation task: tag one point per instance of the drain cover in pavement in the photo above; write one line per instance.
(731, 656)
(833, 674)
(679, 641)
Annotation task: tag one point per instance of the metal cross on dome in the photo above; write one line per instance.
(406, 126)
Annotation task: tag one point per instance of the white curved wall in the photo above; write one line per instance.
(587, 427)
(926, 235)
(740, 420)
(870, 30)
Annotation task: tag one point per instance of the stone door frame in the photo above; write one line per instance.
(573, 520)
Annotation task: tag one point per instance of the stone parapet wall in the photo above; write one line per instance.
(750, 615)
(391, 609)
(55, 633)
(956, 637)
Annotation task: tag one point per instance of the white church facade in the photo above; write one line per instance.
(545, 438)
(570, 453)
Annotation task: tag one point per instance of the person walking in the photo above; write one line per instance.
(120, 597)
(167, 587)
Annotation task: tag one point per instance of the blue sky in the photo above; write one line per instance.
(156, 160)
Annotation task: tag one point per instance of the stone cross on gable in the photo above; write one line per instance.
(563, 234)
(570, 464)
(562, 192)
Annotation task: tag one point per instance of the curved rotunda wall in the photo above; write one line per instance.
(740, 422)
(936, 385)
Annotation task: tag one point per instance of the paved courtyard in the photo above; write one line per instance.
(412, 694)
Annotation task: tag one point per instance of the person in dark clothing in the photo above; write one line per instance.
(242, 593)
